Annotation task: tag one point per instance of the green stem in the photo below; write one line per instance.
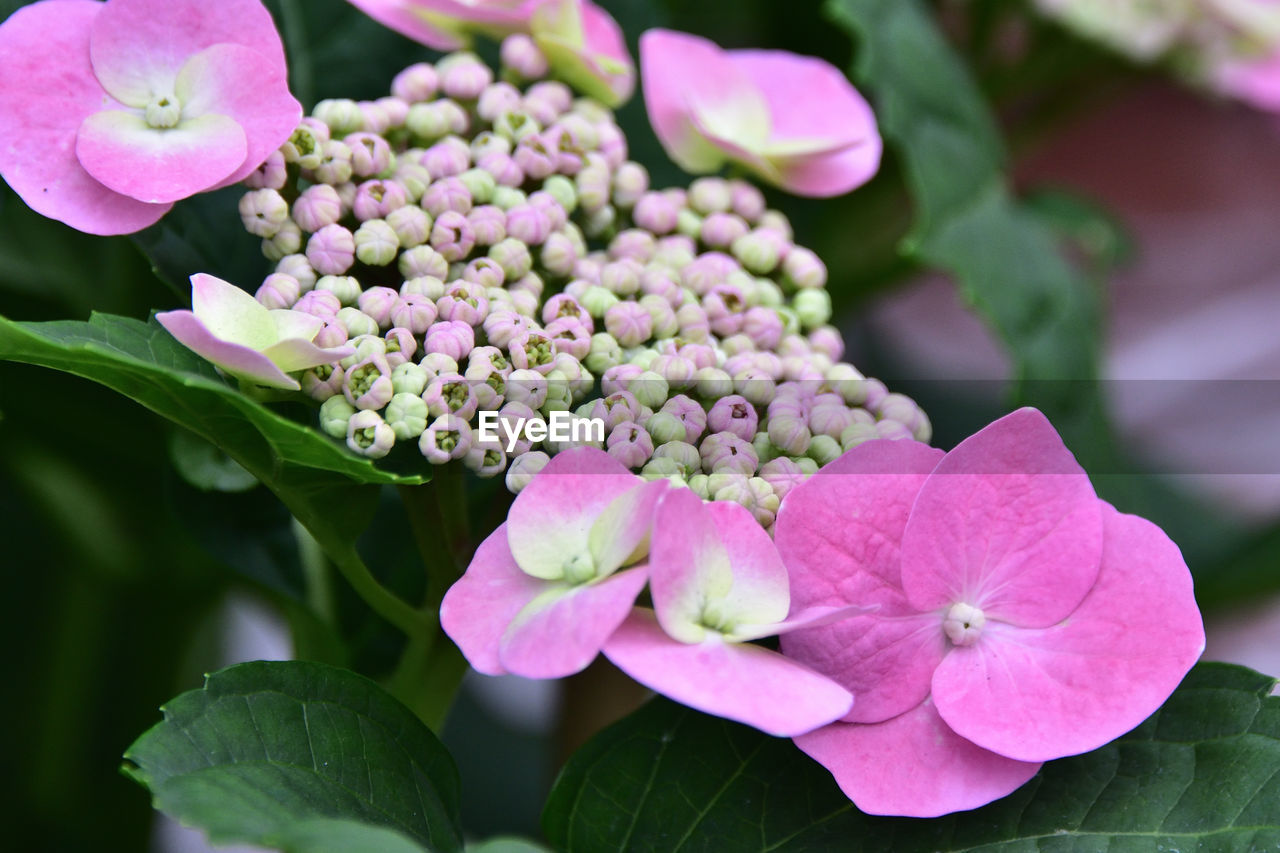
(315, 572)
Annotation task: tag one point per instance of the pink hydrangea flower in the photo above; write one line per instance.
(246, 339)
(112, 111)
(795, 121)
(585, 47)
(717, 582)
(1020, 618)
(547, 588)
(447, 24)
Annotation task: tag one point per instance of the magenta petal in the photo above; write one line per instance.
(678, 70)
(120, 150)
(810, 100)
(550, 521)
(830, 174)
(479, 607)
(235, 81)
(1046, 693)
(839, 534)
(737, 681)
(562, 630)
(138, 46)
(233, 358)
(46, 91)
(913, 765)
(1007, 522)
(398, 15)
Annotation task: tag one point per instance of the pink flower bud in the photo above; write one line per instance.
(321, 383)
(532, 350)
(446, 194)
(375, 199)
(720, 230)
(317, 206)
(279, 290)
(632, 244)
(335, 163)
(629, 323)
(463, 306)
(675, 251)
(827, 340)
(501, 327)
(763, 326)
(726, 452)
(378, 302)
(537, 156)
(489, 224)
(464, 79)
(370, 154)
(448, 437)
(263, 212)
(486, 272)
(401, 345)
(450, 393)
(746, 201)
(735, 415)
(497, 99)
(655, 213)
(331, 250)
(782, 474)
(570, 336)
(725, 305)
(619, 377)
(443, 160)
(319, 303)
(452, 236)
(804, 269)
(416, 83)
(451, 338)
(613, 145)
(367, 384)
(373, 117)
(413, 312)
(789, 433)
(690, 413)
(411, 224)
(514, 258)
(528, 224)
(707, 271)
(522, 57)
(630, 444)
(558, 254)
(630, 181)
(369, 435)
(271, 175)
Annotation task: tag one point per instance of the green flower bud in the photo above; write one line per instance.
(287, 241)
(640, 356)
(812, 307)
(480, 184)
(341, 114)
(604, 353)
(823, 449)
(357, 322)
(598, 300)
(346, 288)
(764, 448)
(712, 383)
(377, 243)
(407, 415)
(689, 223)
(790, 322)
(650, 389)
(699, 484)
(335, 413)
(409, 378)
(507, 197)
(808, 467)
(663, 469)
(767, 293)
(665, 428)
(516, 126)
(563, 191)
(685, 454)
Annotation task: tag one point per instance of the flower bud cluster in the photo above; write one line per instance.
(487, 248)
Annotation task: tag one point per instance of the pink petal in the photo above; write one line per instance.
(688, 565)
(398, 15)
(839, 534)
(119, 149)
(479, 607)
(830, 174)
(605, 53)
(234, 81)
(551, 519)
(232, 314)
(138, 46)
(809, 99)
(47, 89)
(1257, 83)
(297, 354)
(913, 765)
(679, 70)
(737, 681)
(562, 630)
(811, 617)
(620, 535)
(1046, 693)
(235, 359)
(1007, 522)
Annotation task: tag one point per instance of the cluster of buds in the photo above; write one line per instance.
(495, 260)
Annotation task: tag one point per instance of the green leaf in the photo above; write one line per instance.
(1203, 773)
(1005, 259)
(301, 757)
(144, 362)
(327, 488)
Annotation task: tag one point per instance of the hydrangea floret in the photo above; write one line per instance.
(113, 111)
(1019, 617)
